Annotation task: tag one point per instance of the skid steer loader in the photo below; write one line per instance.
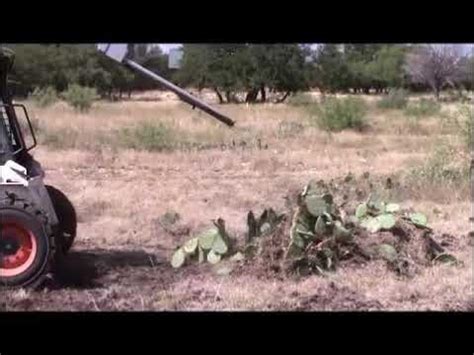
(38, 223)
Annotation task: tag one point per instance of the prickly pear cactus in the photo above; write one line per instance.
(178, 258)
(316, 228)
(206, 239)
(419, 219)
(190, 246)
(322, 234)
(210, 246)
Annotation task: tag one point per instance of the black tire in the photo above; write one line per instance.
(23, 213)
(67, 229)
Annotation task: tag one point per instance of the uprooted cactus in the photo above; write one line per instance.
(376, 215)
(317, 231)
(211, 246)
(264, 225)
(321, 235)
(260, 228)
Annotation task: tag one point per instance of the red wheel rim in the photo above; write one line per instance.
(19, 248)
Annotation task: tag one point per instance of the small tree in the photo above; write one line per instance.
(435, 66)
(387, 66)
(467, 73)
(251, 68)
(79, 97)
(331, 71)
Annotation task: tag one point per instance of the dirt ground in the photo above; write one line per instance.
(121, 258)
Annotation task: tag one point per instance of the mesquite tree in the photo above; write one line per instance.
(437, 66)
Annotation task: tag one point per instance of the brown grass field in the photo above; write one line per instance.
(121, 259)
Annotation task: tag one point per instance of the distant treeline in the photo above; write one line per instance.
(58, 66)
(257, 70)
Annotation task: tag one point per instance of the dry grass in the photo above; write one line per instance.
(121, 193)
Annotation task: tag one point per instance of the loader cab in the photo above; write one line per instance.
(4, 146)
(16, 132)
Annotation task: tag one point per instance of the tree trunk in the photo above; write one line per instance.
(227, 96)
(282, 99)
(263, 93)
(219, 96)
(251, 96)
(437, 92)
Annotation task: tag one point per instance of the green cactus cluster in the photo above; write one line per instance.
(316, 219)
(210, 246)
(321, 234)
(376, 215)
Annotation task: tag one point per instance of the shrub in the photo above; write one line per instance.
(290, 129)
(455, 96)
(442, 166)
(301, 99)
(422, 108)
(468, 132)
(462, 123)
(148, 136)
(61, 139)
(466, 125)
(45, 97)
(79, 97)
(396, 99)
(338, 114)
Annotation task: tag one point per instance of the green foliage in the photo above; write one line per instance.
(385, 221)
(360, 67)
(301, 99)
(228, 69)
(206, 239)
(60, 139)
(396, 99)
(289, 129)
(387, 252)
(376, 215)
(254, 69)
(361, 211)
(441, 166)
(79, 97)
(170, 218)
(423, 108)
(178, 259)
(467, 70)
(45, 97)
(318, 205)
(331, 71)
(468, 128)
(446, 258)
(321, 236)
(237, 257)
(61, 65)
(392, 208)
(335, 114)
(263, 225)
(191, 246)
(418, 219)
(463, 122)
(148, 136)
(213, 257)
(387, 66)
(220, 246)
(212, 245)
